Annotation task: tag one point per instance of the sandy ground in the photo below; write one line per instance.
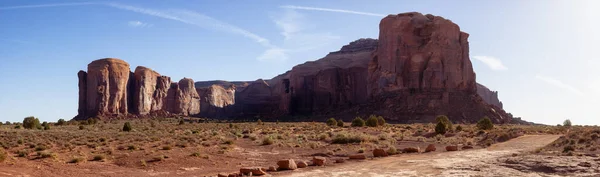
(480, 162)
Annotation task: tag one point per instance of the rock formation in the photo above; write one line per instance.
(490, 97)
(421, 69)
(418, 68)
(103, 89)
(216, 101)
(109, 90)
(337, 81)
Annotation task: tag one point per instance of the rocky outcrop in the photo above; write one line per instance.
(337, 81)
(256, 100)
(110, 90)
(421, 69)
(183, 99)
(216, 101)
(418, 69)
(105, 86)
(490, 97)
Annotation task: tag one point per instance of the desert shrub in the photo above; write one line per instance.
(98, 158)
(444, 120)
(568, 149)
(259, 122)
(440, 128)
(344, 138)
(92, 121)
(81, 127)
(331, 122)
(3, 154)
(340, 123)
(268, 140)
(358, 122)
(7, 123)
(46, 125)
(17, 126)
(127, 127)
(380, 121)
(76, 160)
(459, 128)
(31, 123)
(567, 123)
(166, 148)
(485, 124)
(181, 122)
(392, 150)
(1, 123)
(372, 121)
(60, 122)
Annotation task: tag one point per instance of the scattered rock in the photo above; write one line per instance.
(585, 164)
(430, 148)
(302, 164)
(234, 175)
(222, 175)
(288, 164)
(252, 171)
(379, 153)
(467, 147)
(319, 161)
(411, 150)
(340, 160)
(358, 157)
(272, 168)
(451, 148)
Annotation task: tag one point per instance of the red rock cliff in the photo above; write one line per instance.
(421, 69)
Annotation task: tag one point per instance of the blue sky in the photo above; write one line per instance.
(540, 55)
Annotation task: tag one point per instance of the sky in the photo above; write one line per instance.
(540, 55)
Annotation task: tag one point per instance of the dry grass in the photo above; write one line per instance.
(165, 139)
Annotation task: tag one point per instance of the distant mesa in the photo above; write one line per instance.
(418, 68)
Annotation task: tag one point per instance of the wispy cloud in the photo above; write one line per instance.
(559, 84)
(491, 62)
(138, 24)
(48, 5)
(299, 36)
(203, 21)
(332, 10)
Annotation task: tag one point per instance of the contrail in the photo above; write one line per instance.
(48, 5)
(332, 10)
(196, 19)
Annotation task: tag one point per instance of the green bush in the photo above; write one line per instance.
(331, 122)
(46, 125)
(372, 121)
(380, 121)
(344, 138)
(444, 120)
(3, 154)
(61, 122)
(127, 127)
(31, 123)
(340, 123)
(440, 128)
(268, 140)
(458, 128)
(92, 121)
(567, 123)
(358, 122)
(485, 124)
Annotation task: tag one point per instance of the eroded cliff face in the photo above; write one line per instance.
(105, 87)
(216, 101)
(337, 81)
(110, 90)
(421, 69)
(418, 69)
(489, 96)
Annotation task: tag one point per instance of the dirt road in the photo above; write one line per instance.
(459, 163)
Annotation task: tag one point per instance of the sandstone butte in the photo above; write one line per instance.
(418, 68)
